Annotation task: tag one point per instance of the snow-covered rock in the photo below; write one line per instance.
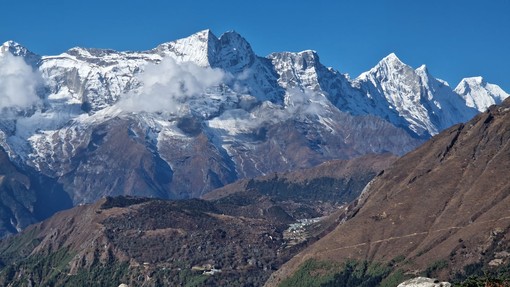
(424, 282)
(479, 94)
(412, 98)
(199, 112)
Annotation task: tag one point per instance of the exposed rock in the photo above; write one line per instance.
(423, 282)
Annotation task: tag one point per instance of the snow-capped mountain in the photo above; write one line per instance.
(412, 98)
(197, 113)
(479, 94)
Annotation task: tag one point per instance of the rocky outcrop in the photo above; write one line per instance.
(423, 282)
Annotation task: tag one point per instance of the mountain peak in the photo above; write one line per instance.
(422, 68)
(296, 61)
(306, 54)
(479, 94)
(17, 49)
(205, 34)
(478, 81)
(195, 48)
(391, 56)
(234, 41)
(392, 59)
(13, 47)
(10, 43)
(232, 53)
(423, 72)
(232, 34)
(309, 53)
(388, 64)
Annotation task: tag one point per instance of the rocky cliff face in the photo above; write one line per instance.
(26, 197)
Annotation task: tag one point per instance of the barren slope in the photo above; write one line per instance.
(448, 201)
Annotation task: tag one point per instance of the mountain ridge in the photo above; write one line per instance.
(443, 202)
(244, 233)
(203, 111)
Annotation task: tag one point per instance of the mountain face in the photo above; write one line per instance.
(197, 113)
(479, 94)
(241, 231)
(317, 191)
(414, 98)
(441, 210)
(26, 197)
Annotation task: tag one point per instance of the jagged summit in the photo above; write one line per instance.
(231, 35)
(308, 57)
(14, 48)
(19, 50)
(195, 48)
(386, 66)
(424, 104)
(7, 45)
(423, 69)
(230, 51)
(206, 33)
(392, 60)
(233, 53)
(298, 69)
(215, 125)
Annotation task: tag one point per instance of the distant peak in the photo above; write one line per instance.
(470, 82)
(309, 52)
(474, 80)
(232, 37)
(12, 47)
(391, 61)
(480, 94)
(16, 49)
(391, 57)
(231, 33)
(303, 54)
(10, 43)
(422, 68)
(207, 33)
(422, 71)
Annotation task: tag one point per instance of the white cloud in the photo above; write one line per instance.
(305, 102)
(297, 104)
(18, 82)
(167, 85)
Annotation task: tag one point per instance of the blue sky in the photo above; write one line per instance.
(455, 39)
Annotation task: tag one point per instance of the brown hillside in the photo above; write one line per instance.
(144, 242)
(307, 193)
(336, 169)
(448, 201)
(243, 231)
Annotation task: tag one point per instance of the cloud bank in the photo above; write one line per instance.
(18, 82)
(297, 103)
(167, 85)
